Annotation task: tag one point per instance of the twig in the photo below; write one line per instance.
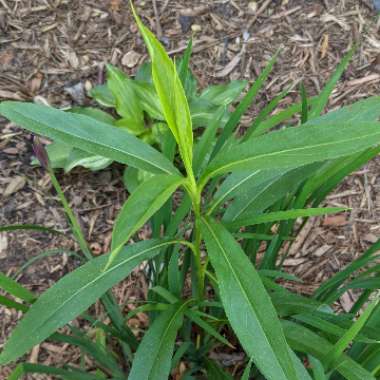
(259, 12)
(157, 16)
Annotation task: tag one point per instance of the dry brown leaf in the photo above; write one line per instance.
(3, 245)
(11, 95)
(324, 45)
(16, 184)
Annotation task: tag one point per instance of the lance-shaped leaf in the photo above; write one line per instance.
(247, 304)
(262, 194)
(88, 134)
(170, 92)
(294, 147)
(304, 340)
(140, 206)
(154, 355)
(277, 216)
(73, 294)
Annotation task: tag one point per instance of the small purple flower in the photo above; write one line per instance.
(40, 152)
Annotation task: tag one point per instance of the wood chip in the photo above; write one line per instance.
(230, 67)
(335, 220)
(131, 59)
(3, 245)
(16, 184)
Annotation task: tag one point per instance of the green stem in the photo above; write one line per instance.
(196, 201)
(108, 299)
(73, 220)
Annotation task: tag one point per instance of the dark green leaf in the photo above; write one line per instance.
(154, 355)
(88, 134)
(247, 304)
(73, 294)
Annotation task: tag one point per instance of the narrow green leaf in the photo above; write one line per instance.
(315, 320)
(317, 369)
(73, 294)
(241, 183)
(247, 370)
(65, 374)
(304, 340)
(32, 227)
(278, 118)
(261, 195)
(140, 206)
(170, 92)
(10, 304)
(205, 144)
(215, 372)
(255, 128)
(305, 106)
(87, 134)
(98, 352)
(329, 287)
(15, 289)
(337, 350)
(207, 327)
(323, 98)
(294, 147)
(243, 106)
(247, 304)
(277, 216)
(154, 355)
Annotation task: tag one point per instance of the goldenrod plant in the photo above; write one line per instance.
(234, 193)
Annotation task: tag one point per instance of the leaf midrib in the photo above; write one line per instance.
(96, 279)
(225, 195)
(151, 163)
(293, 150)
(242, 288)
(166, 332)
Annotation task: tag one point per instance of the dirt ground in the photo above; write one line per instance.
(56, 49)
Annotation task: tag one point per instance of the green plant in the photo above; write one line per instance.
(237, 193)
(136, 108)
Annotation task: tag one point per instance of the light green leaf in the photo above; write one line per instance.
(79, 157)
(247, 304)
(103, 96)
(127, 103)
(140, 206)
(88, 134)
(278, 216)
(294, 147)
(73, 294)
(154, 355)
(171, 94)
(223, 94)
(57, 152)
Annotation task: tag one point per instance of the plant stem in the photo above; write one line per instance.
(73, 220)
(108, 299)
